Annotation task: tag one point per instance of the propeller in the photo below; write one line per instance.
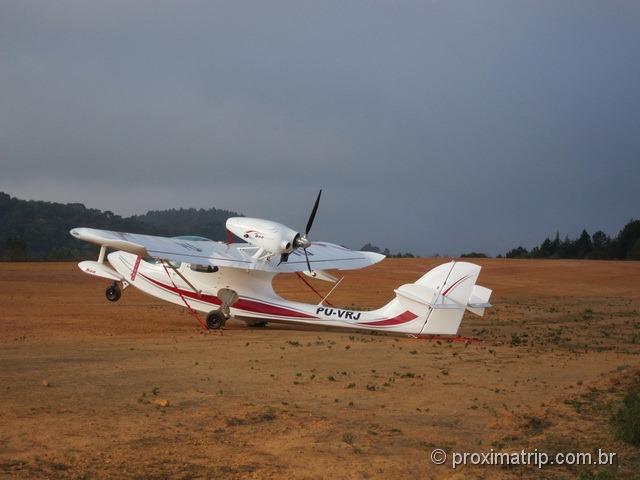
(302, 241)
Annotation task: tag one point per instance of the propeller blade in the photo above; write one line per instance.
(307, 258)
(313, 213)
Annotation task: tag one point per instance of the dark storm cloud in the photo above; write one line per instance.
(432, 126)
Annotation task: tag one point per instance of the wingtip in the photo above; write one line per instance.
(374, 257)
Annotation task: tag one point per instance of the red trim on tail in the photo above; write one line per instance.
(455, 284)
(397, 320)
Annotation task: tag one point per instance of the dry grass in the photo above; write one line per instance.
(559, 351)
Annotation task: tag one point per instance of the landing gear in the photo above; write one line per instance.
(113, 292)
(216, 319)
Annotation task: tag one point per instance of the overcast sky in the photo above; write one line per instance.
(433, 126)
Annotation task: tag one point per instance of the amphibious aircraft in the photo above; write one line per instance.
(235, 278)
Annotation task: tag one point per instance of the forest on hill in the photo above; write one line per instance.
(38, 230)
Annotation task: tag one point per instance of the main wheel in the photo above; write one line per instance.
(257, 324)
(215, 320)
(113, 293)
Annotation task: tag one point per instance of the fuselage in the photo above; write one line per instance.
(196, 287)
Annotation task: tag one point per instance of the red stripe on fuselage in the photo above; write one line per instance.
(260, 307)
(255, 306)
(241, 304)
(186, 293)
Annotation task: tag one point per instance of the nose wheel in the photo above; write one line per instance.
(113, 292)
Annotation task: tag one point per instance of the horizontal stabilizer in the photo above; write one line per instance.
(417, 293)
(426, 296)
(479, 300)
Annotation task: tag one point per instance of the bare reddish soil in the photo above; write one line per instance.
(90, 389)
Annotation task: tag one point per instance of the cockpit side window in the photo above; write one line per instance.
(157, 261)
(203, 268)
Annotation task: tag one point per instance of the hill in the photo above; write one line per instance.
(38, 230)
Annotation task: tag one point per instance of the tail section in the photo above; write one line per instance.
(441, 297)
(479, 300)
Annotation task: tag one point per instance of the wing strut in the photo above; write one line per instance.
(196, 291)
(189, 309)
(315, 291)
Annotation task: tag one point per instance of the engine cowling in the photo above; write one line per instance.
(271, 236)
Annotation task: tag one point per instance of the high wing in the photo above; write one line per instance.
(322, 255)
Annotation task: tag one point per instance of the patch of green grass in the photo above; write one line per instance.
(576, 404)
(626, 421)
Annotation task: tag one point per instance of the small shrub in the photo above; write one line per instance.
(626, 421)
(268, 415)
(347, 438)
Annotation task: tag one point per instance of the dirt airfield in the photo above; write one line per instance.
(90, 389)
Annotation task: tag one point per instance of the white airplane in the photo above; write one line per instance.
(235, 279)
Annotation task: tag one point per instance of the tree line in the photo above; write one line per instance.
(599, 246)
(38, 230)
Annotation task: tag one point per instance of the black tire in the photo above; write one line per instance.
(215, 320)
(257, 324)
(113, 293)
